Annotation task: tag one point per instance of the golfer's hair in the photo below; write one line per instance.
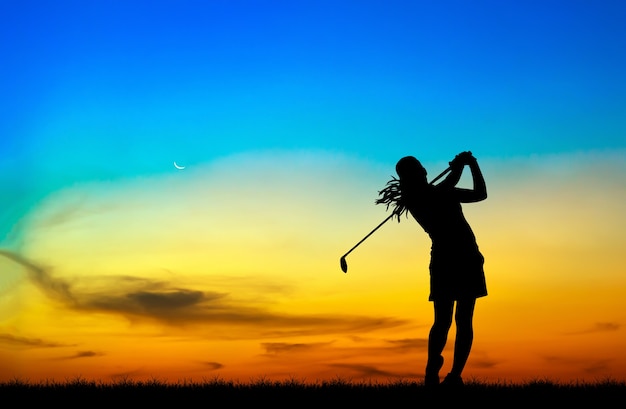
(398, 192)
(391, 195)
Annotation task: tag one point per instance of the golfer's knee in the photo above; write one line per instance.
(463, 320)
(465, 330)
(441, 326)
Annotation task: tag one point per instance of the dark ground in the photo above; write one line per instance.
(81, 393)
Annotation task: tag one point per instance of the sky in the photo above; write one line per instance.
(288, 118)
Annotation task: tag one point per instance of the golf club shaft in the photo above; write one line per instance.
(390, 216)
(440, 175)
(369, 234)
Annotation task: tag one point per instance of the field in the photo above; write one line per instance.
(293, 393)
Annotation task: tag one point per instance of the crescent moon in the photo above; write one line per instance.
(178, 166)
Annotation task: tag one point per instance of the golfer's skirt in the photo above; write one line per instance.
(456, 274)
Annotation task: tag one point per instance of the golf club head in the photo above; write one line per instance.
(344, 265)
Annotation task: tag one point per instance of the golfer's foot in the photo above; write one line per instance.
(453, 381)
(432, 371)
(431, 380)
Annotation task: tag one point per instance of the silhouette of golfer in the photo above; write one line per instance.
(456, 264)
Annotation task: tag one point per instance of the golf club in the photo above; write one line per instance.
(342, 261)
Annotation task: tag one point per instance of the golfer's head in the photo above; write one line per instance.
(410, 169)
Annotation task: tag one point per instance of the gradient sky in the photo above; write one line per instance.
(289, 117)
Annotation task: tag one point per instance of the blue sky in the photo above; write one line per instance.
(106, 90)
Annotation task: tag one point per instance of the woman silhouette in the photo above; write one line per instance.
(456, 264)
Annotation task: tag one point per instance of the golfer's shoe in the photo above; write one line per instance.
(431, 380)
(453, 381)
(432, 371)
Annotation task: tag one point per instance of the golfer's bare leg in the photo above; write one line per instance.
(464, 334)
(437, 339)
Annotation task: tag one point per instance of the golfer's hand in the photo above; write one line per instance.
(462, 159)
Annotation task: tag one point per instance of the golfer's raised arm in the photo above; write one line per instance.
(479, 192)
(456, 169)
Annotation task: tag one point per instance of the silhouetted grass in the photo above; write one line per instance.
(294, 393)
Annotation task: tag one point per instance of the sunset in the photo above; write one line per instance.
(180, 181)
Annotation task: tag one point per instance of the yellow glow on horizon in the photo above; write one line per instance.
(246, 258)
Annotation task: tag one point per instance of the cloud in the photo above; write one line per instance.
(53, 287)
(336, 324)
(170, 305)
(141, 298)
(371, 371)
(82, 354)
(29, 342)
(397, 346)
(606, 326)
(484, 363)
(175, 306)
(212, 366)
(171, 300)
(286, 352)
(87, 354)
(408, 344)
(598, 327)
(590, 366)
(597, 366)
(273, 348)
(127, 375)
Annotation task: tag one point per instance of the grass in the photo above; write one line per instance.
(294, 393)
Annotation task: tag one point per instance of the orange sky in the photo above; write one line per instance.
(231, 270)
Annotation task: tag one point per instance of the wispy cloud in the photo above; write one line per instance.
(273, 348)
(336, 324)
(53, 287)
(598, 327)
(397, 346)
(126, 375)
(408, 344)
(597, 366)
(371, 371)
(140, 298)
(212, 366)
(333, 351)
(480, 357)
(29, 342)
(484, 363)
(82, 354)
(589, 366)
(170, 305)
